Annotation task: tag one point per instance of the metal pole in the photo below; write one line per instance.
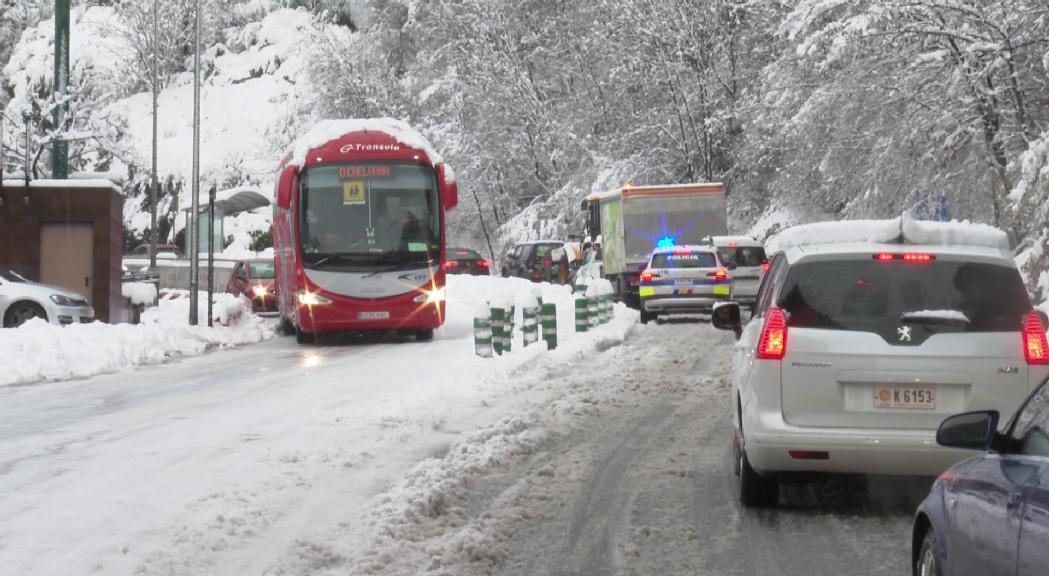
(194, 257)
(60, 148)
(153, 180)
(211, 252)
(28, 120)
(3, 156)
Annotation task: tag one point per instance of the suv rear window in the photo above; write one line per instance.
(882, 297)
(743, 256)
(683, 260)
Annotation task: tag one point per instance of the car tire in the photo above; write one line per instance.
(755, 490)
(424, 335)
(285, 326)
(928, 563)
(21, 312)
(303, 337)
(646, 317)
(506, 273)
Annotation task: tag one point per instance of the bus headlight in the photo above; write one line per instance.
(312, 299)
(430, 296)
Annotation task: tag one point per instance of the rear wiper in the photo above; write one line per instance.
(948, 317)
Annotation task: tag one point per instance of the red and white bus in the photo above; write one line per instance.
(359, 230)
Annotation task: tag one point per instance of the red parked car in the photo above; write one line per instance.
(255, 280)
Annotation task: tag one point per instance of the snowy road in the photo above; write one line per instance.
(276, 459)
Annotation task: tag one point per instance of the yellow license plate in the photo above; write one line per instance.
(905, 397)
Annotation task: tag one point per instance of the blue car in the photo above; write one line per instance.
(989, 515)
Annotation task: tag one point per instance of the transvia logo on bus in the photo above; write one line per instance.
(370, 148)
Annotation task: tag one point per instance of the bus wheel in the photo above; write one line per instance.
(424, 335)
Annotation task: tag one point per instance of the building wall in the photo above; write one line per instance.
(52, 202)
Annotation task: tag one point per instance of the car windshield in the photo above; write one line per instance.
(867, 295)
(262, 270)
(356, 215)
(742, 256)
(683, 259)
(12, 276)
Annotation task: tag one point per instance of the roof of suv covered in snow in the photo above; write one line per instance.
(896, 235)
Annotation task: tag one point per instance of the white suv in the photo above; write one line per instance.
(865, 336)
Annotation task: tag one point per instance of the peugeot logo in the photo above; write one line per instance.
(904, 332)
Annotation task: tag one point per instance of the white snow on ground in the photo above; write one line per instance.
(39, 351)
(261, 459)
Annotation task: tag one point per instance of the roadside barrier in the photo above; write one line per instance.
(483, 331)
(500, 343)
(549, 321)
(593, 306)
(530, 320)
(582, 313)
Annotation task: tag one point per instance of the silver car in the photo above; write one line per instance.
(683, 279)
(22, 300)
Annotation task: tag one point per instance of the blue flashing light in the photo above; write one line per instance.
(665, 242)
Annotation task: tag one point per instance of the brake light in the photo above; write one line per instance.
(765, 266)
(916, 257)
(484, 264)
(1036, 349)
(720, 274)
(450, 264)
(648, 276)
(773, 343)
(884, 257)
(809, 454)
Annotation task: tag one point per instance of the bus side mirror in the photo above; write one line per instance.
(289, 178)
(448, 185)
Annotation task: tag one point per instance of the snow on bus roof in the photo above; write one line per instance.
(904, 229)
(327, 130)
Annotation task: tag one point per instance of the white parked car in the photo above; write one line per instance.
(748, 257)
(22, 300)
(865, 336)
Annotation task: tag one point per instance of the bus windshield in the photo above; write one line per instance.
(371, 213)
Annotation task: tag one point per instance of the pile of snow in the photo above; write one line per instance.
(903, 229)
(328, 130)
(140, 293)
(39, 351)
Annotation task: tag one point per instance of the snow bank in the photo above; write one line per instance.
(902, 229)
(38, 351)
(140, 293)
(328, 130)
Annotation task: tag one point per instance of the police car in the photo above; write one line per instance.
(683, 279)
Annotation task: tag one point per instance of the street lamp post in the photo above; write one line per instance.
(194, 257)
(60, 148)
(153, 179)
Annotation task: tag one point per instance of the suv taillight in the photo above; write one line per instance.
(1036, 349)
(773, 343)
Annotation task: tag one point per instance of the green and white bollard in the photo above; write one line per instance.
(538, 293)
(483, 331)
(498, 325)
(611, 300)
(582, 317)
(530, 322)
(508, 326)
(548, 319)
(592, 306)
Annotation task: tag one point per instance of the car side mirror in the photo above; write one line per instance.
(726, 316)
(731, 265)
(969, 431)
(584, 205)
(448, 186)
(289, 178)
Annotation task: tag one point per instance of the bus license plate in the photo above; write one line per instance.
(910, 398)
(383, 315)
